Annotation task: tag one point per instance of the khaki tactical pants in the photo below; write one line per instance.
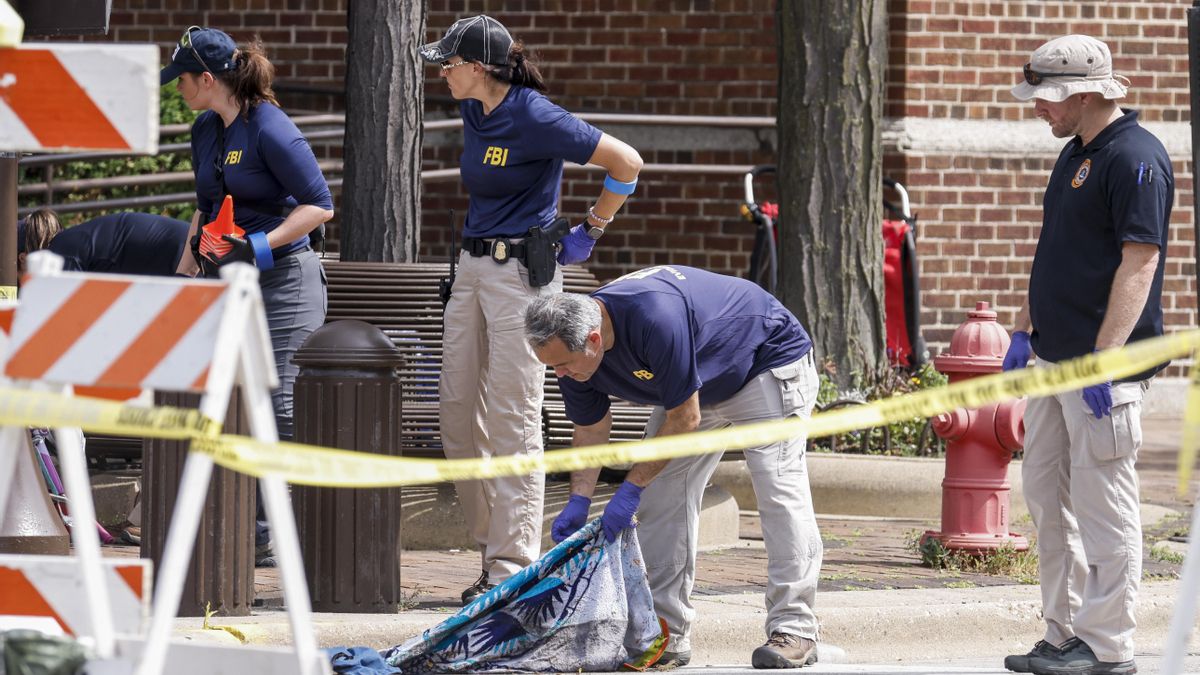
(490, 394)
(1082, 491)
(669, 514)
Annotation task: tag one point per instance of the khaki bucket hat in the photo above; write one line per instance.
(1070, 65)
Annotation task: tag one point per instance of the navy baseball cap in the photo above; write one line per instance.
(200, 50)
(477, 38)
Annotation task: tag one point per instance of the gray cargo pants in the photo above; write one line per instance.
(1082, 491)
(295, 301)
(669, 514)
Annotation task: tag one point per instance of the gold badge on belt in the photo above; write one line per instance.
(500, 250)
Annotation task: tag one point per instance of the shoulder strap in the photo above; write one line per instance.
(221, 153)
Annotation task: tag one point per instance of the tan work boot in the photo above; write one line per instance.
(784, 650)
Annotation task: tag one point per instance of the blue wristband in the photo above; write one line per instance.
(617, 187)
(263, 258)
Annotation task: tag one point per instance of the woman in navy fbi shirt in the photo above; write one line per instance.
(245, 146)
(514, 144)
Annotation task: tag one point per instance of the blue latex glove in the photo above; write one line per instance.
(1098, 397)
(618, 515)
(576, 246)
(1018, 353)
(573, 517)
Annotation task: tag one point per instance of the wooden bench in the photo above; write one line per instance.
(401, 299)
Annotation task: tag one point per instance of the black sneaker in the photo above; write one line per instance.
(784, 650)
(1079, 659)
(672, 660)
(1019, 663)
(477, 589)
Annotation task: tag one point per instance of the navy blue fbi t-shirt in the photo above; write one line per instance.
(268, 166)
(123, 243)
(512, 161)
(1118, 188)
(678, 330)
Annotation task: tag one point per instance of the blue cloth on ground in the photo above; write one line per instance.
(584, 605)
(358, 661)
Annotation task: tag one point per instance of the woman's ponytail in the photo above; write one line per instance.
(251, 80)
(520, 69)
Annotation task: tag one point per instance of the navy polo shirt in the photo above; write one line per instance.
(680, 329)
(123, 243)
(268, 167)
(512, 161)
(1118, 188)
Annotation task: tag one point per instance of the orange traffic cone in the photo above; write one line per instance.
(211, 243)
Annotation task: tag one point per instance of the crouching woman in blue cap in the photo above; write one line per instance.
(515, 141)
(245, 146)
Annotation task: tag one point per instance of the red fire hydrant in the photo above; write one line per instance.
(980, 443)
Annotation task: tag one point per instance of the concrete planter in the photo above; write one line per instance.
(867, 485)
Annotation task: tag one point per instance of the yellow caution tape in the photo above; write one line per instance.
(311, 465)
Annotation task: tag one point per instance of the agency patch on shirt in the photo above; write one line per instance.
(1081, 175)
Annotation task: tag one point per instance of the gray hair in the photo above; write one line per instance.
(566, 316)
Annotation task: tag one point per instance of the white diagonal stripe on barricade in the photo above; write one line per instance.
(192, 355)
(118, 79)
(41, 298)
(110, 336)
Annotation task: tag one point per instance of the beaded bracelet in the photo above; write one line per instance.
(599, 219)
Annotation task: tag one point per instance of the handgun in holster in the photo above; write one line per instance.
(445, 284)
(541, 251)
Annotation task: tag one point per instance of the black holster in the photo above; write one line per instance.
(541, 251)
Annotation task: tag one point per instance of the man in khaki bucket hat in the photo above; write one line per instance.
(1095, 284)
(1069, 65)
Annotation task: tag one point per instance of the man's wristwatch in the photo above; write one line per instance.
(594, 232)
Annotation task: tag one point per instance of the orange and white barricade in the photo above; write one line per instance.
(170, 334)
(50, 589)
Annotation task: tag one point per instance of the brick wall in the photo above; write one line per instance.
(980, 211)
(949, 60)
(305, 39)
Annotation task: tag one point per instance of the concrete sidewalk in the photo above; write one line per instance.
(876, 603)
(884, 626)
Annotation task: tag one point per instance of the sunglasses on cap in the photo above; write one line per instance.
(186, 43)
(1035, 78)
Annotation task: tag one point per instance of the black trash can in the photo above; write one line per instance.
(347, 396)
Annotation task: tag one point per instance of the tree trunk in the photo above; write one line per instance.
(381, 195)
(832, 55)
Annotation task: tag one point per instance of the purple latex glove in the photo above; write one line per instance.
(573, 517)
(576, 246)
(618, 515)
(1018, 352)
(1098, 397)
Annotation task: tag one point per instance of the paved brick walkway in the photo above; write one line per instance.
(860, 552)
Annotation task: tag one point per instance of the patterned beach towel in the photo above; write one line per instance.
(584, 605)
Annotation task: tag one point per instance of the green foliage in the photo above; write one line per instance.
(1164, 554)
(1005, 561)
(172, 110)
(910, 438)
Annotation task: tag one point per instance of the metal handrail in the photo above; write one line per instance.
(330, 166)
(430, 125)
(50, 187)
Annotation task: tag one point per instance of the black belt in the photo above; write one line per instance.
(500, 249)
(277, 255)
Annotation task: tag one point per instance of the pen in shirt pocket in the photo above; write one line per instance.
(1149, 174)
(1141, 171)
